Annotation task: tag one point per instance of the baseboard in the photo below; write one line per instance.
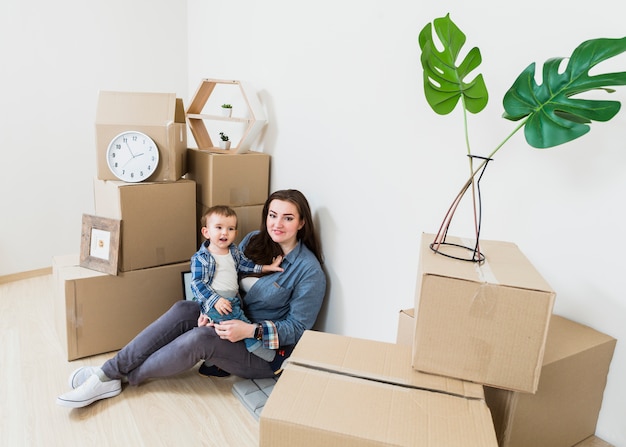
(25, 275)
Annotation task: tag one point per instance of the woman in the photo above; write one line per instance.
(280, 305)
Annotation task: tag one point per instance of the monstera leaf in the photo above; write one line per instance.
(554, 116)
(550, 113)
(444, 81)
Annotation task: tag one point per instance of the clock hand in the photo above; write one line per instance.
(129, 149)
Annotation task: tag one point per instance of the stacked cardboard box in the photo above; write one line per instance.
(96, 312)
(486, 323)
(225, 178)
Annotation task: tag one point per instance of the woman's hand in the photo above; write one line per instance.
(234, 330)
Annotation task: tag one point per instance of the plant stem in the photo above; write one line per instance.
(445, 224)
(471, 166)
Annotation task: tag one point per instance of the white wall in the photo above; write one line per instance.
(56, 56)
(350, 127)
(341, 82)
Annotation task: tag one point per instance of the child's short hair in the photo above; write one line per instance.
(221, 210)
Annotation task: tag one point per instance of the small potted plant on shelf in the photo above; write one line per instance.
(227, 110)
(551, 113)
(224, 141)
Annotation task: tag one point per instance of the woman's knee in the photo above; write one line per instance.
(188, 309)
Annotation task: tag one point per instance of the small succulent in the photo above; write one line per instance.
(223, 136)
(227, 106)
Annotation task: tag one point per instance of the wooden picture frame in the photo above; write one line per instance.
(100, 244)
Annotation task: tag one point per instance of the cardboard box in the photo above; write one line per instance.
(158, 220)
(486, 323)
(161, 116)
(97, 313)
(338, 390)
(235, 180)
(248, 219)
(565, 408)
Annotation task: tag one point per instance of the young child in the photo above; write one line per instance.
(214, 273)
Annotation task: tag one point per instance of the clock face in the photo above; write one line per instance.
(132, 156)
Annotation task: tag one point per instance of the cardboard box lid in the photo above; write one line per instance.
(320, 408)
(501, 266)
(373, 360)
(139, 108)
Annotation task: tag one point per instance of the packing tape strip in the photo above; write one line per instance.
(485, 274)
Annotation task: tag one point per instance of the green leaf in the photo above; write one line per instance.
(554, 116)
(444, 81)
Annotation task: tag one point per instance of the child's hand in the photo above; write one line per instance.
(274, 266)
(203, 320)
(223, 306)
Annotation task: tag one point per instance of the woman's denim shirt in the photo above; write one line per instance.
(290, 300)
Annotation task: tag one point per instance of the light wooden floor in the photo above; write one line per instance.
(186, 410)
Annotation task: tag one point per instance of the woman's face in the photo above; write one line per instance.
(283, 223)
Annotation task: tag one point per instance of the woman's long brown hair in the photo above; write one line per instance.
(262, 249)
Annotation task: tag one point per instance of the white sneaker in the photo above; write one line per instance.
(80, 375)
(89, 392)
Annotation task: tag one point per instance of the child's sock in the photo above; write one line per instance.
(104, 378)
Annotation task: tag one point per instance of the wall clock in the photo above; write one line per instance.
(132, 156)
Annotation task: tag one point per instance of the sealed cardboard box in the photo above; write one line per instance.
(97, 313)
(235, 180)
(248, 219)
(161, 116)
(346, 391)
(486, 323)
(565, 408)
(158, 220)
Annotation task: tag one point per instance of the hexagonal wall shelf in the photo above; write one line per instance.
(204, 110)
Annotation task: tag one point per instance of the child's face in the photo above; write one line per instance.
(220, 230)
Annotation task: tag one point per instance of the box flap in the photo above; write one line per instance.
(138, 108)
(373, 360)
(501, 266)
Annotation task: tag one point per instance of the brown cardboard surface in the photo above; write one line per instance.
(234, 180)
(374, 360)
(344, 391)
(406, 327)
(486, 323)
(158, 220)
(567, 403)
(161, 116)
(97, 313)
